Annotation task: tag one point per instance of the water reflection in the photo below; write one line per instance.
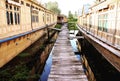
(47, 68)
(74, 45)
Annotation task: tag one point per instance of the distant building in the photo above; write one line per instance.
(61, 19)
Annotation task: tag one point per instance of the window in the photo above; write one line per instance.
(15, 18)
(11, 17)
(35, 17)
(53, 18)
(16, 1)
(28, 5)
(85, 21)
(10, 7)
(18, 18)
(105, 22)
(102, 22)
(22, 2)
(12, 14)
(16, 15)
(90, 20)
(8, 20)
(43, 17)
(48, 18)
(6, 6)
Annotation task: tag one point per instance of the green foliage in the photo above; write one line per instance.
(23, 55)
(72, 26)
(35, 76)
(53, 6)
(58, 26)
(42, 47)
(19, 73)
(4, 75)
(72, 22)
(70, 15)
(75, 15)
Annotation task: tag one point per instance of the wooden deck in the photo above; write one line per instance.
(65, 65)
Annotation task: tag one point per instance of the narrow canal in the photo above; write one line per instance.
(94, 62)
(102, 69)
(35, 67)
(74, 44)
(46, 71)
(29, 64)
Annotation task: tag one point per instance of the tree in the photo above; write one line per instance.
(53, 6)
(75, 15)
(70, 15)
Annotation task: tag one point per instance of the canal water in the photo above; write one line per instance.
(74, 43)
(46, 71)
(94, 75)
(47, 68)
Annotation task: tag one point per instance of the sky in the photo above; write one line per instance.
(69, 5)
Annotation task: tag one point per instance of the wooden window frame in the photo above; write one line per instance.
(12, 14)
(35, 16)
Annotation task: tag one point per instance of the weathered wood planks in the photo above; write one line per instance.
(65, 65)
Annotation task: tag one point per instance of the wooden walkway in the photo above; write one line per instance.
(65, 66)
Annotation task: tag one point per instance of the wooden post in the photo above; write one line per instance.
(116, 15)
(48, 33)
(31, 16)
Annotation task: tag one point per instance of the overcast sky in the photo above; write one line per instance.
(69, 5)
